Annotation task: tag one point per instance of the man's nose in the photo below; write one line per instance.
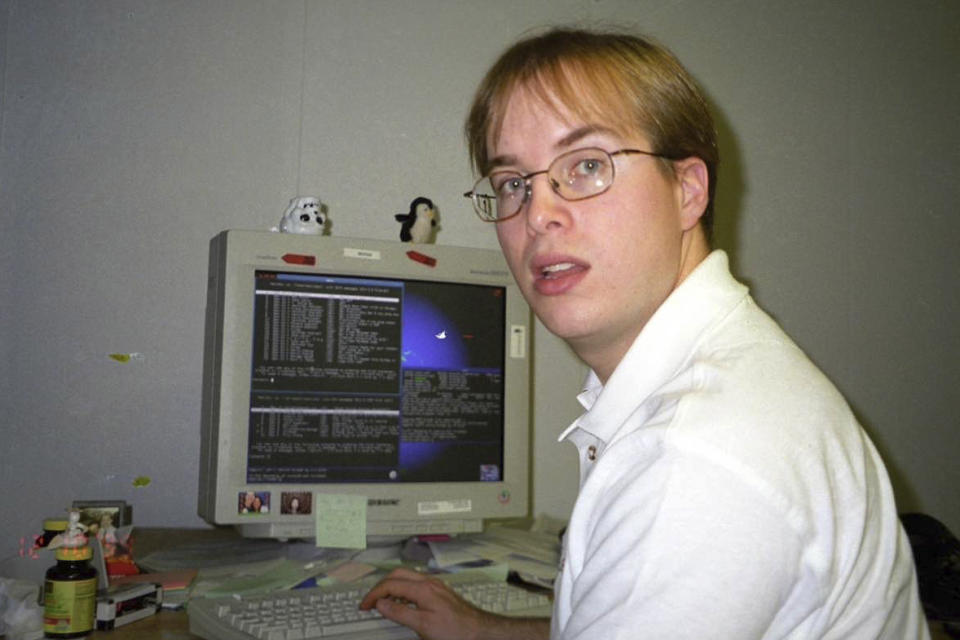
(545, 208)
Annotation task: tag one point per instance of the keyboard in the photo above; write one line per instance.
(331, 611)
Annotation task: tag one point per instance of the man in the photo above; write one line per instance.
(726, 489)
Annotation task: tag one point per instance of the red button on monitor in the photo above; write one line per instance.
(296, 258)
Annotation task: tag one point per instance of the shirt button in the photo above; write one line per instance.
(591, 453)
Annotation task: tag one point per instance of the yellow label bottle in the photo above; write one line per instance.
(70, 595)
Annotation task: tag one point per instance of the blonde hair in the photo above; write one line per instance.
(623, 81)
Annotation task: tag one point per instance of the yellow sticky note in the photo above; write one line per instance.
(340, 520)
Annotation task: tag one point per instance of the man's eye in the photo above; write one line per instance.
(588, 167)
(509, 186)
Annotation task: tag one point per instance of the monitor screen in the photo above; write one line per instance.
(338, 366)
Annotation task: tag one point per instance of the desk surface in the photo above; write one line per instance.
(174, 625)
(166, 625)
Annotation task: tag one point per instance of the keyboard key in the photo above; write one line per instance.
(358, 625)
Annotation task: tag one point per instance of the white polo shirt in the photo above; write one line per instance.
(727, 491)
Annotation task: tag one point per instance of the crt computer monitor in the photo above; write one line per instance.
(394, 371)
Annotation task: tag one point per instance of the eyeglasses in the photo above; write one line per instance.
(574, 175)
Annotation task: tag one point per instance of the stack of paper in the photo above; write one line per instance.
(533, 556)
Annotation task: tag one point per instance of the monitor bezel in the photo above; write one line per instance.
(392, 508)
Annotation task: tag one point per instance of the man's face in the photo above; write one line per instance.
(594, 270)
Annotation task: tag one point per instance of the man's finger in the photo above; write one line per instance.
(400, 612)
(399, 583)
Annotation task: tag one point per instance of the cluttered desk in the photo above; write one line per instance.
(519, 555)
(354, 391)
(219, 586)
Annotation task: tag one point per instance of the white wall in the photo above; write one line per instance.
(131, 132)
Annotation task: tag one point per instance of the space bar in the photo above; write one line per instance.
(359, 625)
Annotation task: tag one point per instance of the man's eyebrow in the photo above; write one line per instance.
(571, 138)
(580, 133)
(500, 161)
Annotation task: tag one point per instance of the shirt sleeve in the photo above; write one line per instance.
(684, 548)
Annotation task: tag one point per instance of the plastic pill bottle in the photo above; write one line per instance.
(70, 594)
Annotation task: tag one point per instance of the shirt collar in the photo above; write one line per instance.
(663, 347)
(587, 397)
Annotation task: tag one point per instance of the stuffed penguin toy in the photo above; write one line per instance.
(417, 224)
(303, 215)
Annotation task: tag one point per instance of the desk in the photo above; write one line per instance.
(166, 625)
(174, 625)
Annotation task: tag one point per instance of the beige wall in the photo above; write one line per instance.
(131, 132)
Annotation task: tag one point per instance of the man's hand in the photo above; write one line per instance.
(433, 610)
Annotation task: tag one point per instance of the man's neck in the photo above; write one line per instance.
(604, 353)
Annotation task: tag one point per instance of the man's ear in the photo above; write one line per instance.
(693, 180)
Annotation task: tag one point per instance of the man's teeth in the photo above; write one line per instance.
(556, 268)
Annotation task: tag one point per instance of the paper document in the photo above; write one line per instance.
(533, 555)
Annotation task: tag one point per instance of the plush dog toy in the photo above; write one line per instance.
(304, 215)
(417, 224)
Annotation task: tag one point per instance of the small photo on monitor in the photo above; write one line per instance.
(253, 502)
(296, 503)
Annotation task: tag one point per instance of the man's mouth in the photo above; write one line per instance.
(557, 275)
(557, 270)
